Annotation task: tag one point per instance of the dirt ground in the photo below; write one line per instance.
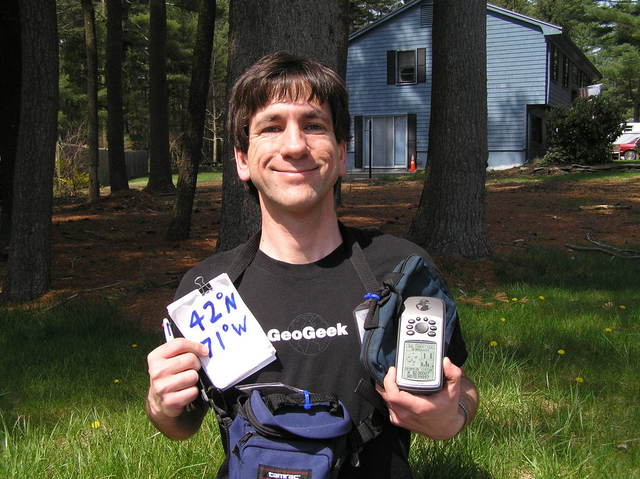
(117, 248)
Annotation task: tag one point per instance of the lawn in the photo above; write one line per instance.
(553, 336)
(554, 350)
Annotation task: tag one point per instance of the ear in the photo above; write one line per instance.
(342, 158)
(242, 165)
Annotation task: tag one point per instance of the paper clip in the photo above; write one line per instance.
(203, 287)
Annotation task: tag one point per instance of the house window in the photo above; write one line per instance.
(555, 63)
(565, 71)
(406, 66)
(384, 141)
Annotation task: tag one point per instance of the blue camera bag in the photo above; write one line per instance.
(283, 436)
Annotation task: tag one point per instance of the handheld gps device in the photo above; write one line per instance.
(420, 348)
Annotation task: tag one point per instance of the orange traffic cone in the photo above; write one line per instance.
(412, 165)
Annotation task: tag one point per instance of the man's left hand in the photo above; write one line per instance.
(437, 416)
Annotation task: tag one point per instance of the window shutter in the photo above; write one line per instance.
(421, 63)
(411, 138)
(357, 155)
(391, 67)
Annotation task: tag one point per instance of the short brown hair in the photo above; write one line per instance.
(283, 76)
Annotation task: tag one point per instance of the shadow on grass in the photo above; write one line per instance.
(76, 356)
(440, 460)
(573, 270)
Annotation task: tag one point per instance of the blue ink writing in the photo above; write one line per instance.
(196, 320)
(220, 339)
(230, 301)
(241, 327)
(207, 341)
(214, 317)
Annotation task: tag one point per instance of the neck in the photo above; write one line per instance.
(299, 239)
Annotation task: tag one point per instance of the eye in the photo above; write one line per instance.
(270, 129)
(315, 127)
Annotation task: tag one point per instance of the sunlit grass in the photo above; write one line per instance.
(73, 381)
(203, 177)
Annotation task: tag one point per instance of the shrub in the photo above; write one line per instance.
(584, 132)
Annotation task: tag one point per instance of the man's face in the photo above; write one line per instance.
(293, 157)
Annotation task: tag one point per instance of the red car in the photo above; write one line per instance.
(625, 146)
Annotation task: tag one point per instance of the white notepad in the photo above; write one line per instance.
(216, 315)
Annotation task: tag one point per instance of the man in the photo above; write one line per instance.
(289, 123)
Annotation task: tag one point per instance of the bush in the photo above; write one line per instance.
(584, 132)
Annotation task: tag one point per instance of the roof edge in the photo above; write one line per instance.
(547, 28)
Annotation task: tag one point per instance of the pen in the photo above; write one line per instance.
(166, 329)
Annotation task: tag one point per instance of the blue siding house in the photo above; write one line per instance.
(530, 66)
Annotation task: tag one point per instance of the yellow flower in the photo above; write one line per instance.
(541, 297)
(95, 424)
(493, 344)
(622, 306)
(116, 381)
(134, 345)
(608, 330)
(561, 352)
(514, 299)
(579, 379)
(504, 320)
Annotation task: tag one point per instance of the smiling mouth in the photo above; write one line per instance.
(298, 172)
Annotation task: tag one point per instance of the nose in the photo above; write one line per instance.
(293, 142)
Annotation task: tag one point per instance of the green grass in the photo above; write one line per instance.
(569, 177)
(203, 177)
(58, 375)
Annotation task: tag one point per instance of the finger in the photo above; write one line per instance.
(389, 382)
(174, 403)
(160, 367)
(180, 381)
(452, 372)
(177, 346)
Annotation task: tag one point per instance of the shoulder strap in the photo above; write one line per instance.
(243, 258)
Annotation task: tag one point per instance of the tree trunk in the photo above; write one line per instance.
(9, 111)
(29, 266)
(159, 162)
(450, 217)
(92, 96)
(115, 122)
(198, 90)
(307, 27)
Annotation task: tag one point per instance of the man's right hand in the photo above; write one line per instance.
(173, 374)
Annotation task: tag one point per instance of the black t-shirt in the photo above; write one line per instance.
(306, 312)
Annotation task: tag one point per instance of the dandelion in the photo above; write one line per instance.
(579, 379)
(608, 330)
(622, 306)
(561, 352)
(134, 345)
(116, 381)
(514, 299)
(504, 320)
(95, 424)
(493, 344)
(541, 298)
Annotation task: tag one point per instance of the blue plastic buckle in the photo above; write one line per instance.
(307, 401)
(372, 296)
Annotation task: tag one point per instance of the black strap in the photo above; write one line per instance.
(244, 258)
(359, 262)
(276, 401)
